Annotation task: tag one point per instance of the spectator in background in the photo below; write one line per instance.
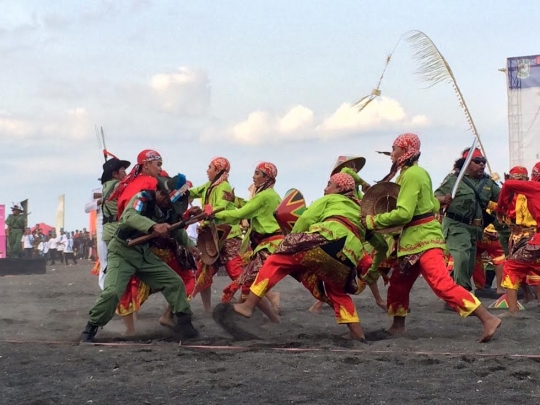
(43, 247)
(53, 252)
(68, 250)
(28, 244)
(61, 246)
(76, 245)
(87, 242)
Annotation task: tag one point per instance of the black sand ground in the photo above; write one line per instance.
(438, 362)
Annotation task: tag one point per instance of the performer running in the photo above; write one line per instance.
(211, 193)
(322, 252)
(263, 233)
(136, 193)
(421, 244)
(523, 263)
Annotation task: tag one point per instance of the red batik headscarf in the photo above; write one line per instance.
(535, 174)
(519, 173)
(347, 185)
(271, 172)
(147, 155)
(344, 181)
(477, 153)
(411, 144)
(224, 168)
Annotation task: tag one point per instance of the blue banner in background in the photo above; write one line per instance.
(523, 72)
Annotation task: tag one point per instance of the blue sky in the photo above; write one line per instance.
(252, 81)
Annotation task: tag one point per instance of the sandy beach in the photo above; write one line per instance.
(303, 360)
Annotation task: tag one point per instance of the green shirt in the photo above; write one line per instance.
(16, 222)
(415, 198)
(215, 199)
(109, 210)
(132, 218)
(465, 204)
(260, 211)
(315, 220)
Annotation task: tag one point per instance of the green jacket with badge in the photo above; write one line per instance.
(463, 223)
(466, 208)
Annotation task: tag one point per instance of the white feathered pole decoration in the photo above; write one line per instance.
(435, 69)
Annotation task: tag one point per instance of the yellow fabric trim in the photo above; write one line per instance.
(259, 288)
(361, 286)
(533, 279)
(492, 206)
(346, 317)
(498, 260)
(523, 215)
(468, 307)
(507, 283)
(399, 311)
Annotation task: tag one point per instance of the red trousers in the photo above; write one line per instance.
(277, 266)
(514, 273)
(433, 268)
(495, 251)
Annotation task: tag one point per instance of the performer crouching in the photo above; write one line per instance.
(421, 244)
(322, 252)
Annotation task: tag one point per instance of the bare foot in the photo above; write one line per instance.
(350, 336)
(355, 332)
(317, 307)
(275, 299)
(396, 330)
(129, 332)
(382, 305)
(510, 314)
(490, 327)
(166, 321)
(242, 310)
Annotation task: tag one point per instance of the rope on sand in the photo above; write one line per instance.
(279, 349)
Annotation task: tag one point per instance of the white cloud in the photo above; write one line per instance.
(381, 113)
(297, 119)
(300, 123)
(73, 124)
(185, 91)
(12, 127)
(256, 127)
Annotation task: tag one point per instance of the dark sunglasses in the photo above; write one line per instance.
(479, 160)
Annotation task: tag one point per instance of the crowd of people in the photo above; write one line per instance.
(65, 248)
(344, 241)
